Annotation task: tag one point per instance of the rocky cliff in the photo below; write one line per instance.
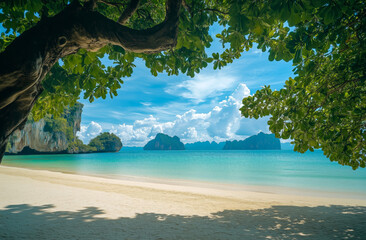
(260, 141)
(204, 145)
(164, 142)
(33, 137)
(48, 135)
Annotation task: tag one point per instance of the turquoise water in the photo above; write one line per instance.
(266, 168)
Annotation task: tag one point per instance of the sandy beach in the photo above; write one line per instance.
(39, 204)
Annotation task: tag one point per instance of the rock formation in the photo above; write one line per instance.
(33, 137)
(204, 146)
(48, 135)
(58, 135)
(261, 141)
(164, 142)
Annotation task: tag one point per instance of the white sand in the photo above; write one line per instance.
(38, 204)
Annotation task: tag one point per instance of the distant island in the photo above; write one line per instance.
(261, 141)
(164, 142)
(287, 146)
(52, 135)
(204, 146)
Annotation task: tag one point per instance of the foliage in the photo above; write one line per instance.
(8, 147)
(164, 142)
(204, 145)
(73, 116)
(261, 141)
(106, 142)
(64, 123)
(54, 125)
(77, 146)
(322, 107)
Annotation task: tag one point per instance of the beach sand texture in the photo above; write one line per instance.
(39, 204)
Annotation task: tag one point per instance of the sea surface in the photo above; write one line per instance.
(284, 168)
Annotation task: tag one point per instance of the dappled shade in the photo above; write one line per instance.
(278, 222)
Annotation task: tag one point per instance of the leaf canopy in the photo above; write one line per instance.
(323, 106)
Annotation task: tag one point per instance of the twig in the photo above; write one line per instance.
(213, 10)
(186, 6)
(113, 4)
(127, 13)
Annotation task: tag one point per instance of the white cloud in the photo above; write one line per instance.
(146, 104)
(115, 114)
(88, 132)
(256, 51)
(205, 85)
(223, 122)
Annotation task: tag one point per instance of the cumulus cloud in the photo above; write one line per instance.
(204, 85)
(88, 132)
(222, 123)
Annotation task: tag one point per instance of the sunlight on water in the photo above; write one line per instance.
(268, 168)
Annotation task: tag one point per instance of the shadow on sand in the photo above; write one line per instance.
(278, 222)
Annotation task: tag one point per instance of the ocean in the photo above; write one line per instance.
(285, 168)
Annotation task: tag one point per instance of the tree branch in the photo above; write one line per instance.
(27, 60)
(187, 7)
(100, 31)
(91, 4)
(112, 4)
(128, 12)
(213, 10)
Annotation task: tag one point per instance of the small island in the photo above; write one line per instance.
(106, 142)
(261, 141)
(57, 135)
(164, 142)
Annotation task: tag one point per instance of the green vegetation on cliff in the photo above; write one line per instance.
(261, 141)
(164, 142)
(58, 135)
(68, 123)
(106, 142)
(54, 125)
(78, 146)
(47, 135)
(204, 145)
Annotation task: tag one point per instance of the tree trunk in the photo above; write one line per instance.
(27, 60)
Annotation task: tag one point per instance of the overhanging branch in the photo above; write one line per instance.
(27, 60)
(128, 12)
(158, 38)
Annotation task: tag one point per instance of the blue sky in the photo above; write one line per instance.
(202, 108)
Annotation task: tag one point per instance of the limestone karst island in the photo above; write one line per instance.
(52, 135)
(182, 119)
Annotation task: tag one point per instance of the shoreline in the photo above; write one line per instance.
(229, 190)
(211, 184)
(41, 204)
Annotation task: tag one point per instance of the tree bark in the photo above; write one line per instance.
(27, 60)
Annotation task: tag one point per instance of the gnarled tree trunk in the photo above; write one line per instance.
(27, 60)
